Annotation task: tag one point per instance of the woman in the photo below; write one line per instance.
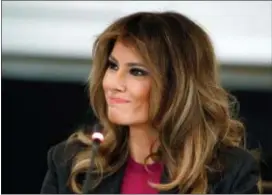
(167, 122)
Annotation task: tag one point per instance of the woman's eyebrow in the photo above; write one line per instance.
(133, 64)
(130, 64)
(111, 58)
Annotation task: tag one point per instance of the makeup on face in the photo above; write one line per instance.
(126, 85)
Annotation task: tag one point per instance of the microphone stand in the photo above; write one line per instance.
(87, 181)
(97, 138)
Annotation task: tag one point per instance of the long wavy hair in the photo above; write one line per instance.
(193, 114)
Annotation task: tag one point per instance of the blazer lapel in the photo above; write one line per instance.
(111, 184)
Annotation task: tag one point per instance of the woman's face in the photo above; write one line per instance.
(127, 86)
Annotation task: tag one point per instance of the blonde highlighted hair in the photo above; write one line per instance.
(190, 110)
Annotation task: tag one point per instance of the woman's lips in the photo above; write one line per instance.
(114, 100)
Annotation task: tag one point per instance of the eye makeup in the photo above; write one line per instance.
(134, 68)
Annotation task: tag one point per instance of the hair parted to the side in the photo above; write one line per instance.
(188, 107)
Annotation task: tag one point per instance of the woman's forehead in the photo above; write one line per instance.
(125, 50)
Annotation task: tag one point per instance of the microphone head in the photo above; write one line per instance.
(97, 135)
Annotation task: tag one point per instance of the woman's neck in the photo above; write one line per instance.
(141, 139)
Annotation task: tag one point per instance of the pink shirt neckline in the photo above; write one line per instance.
(136, 177)
(140, 167)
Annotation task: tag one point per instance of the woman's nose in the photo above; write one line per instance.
(119, 81)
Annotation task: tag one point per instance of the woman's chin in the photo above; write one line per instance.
(119, 120)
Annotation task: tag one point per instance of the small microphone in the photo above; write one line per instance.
(97, 139)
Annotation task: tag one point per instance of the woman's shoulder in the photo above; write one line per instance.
(56, 151)
(239, 161)
(62, 154)
(240, 172)
(59, 161)
(235, 156)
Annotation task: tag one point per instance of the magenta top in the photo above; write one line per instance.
(136, 178)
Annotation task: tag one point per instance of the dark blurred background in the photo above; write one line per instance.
(46, 50)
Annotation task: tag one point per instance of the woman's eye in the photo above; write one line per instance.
(112, 65)
(138, 72)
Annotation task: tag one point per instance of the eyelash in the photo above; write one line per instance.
(133, 71)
